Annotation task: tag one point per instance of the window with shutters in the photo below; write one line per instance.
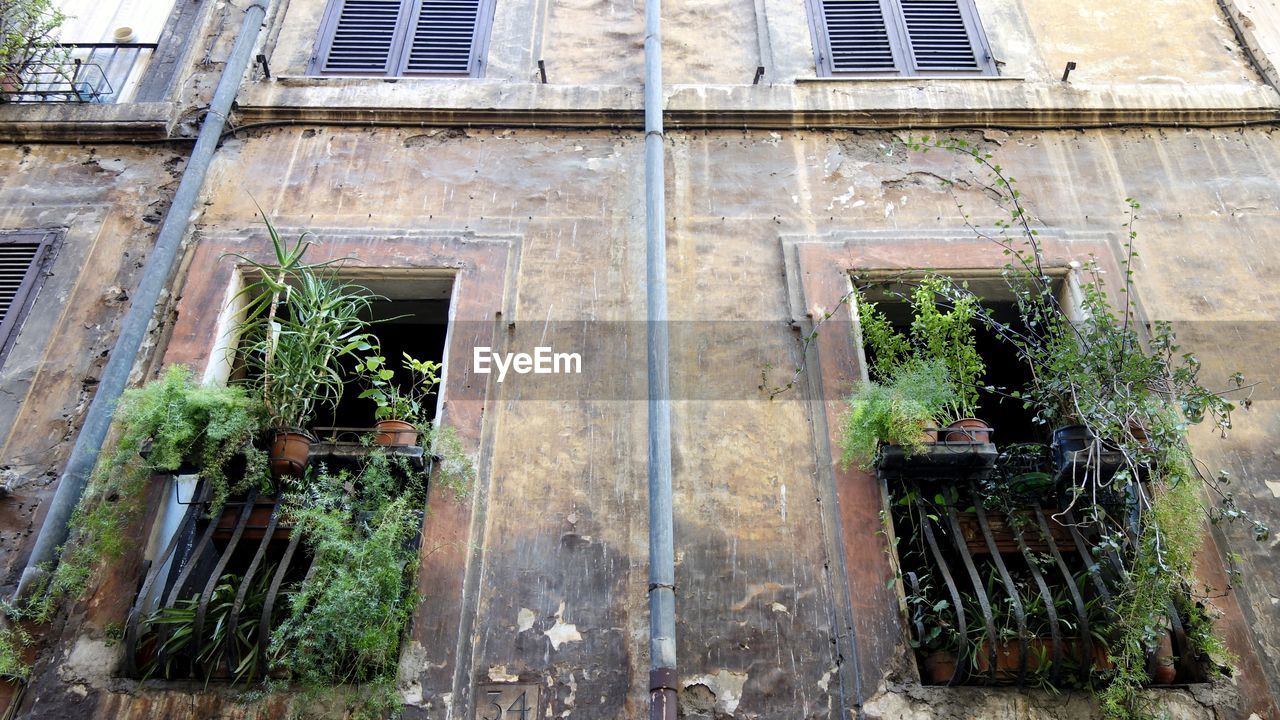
(23, 257)
(899, 37)
(401, 38)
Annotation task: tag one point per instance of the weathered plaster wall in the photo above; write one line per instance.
(560, 564)
(599, 43)
(108, 200)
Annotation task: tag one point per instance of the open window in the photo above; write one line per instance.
(996, 554)
(220, 575)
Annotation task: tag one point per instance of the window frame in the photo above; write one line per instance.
(398, 54)
(900, 45)
(29, 287)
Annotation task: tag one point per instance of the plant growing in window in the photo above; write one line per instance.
(1127, 464)
(938, 334)
(920, 380)
(900, 410)
(400, 410)
(300, 324)
(346, 619)
(167, 425)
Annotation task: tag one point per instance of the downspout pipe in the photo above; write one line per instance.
(133, 329)
(662, 572)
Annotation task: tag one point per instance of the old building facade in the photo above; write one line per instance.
(506, 178)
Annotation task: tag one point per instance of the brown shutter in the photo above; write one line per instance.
(22, 258)
(899, 37)
(403, 37)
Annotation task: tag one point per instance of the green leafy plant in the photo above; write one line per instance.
(12, 641)
(160, 427)
(938, 334)
(179, 622)
(28, 31)
(346, 620)
(300, 324)
(455, 468)
(896, 411)
(1136, 394)
(393, 400)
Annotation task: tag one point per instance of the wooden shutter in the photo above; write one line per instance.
(364, 37)
(905, 37)
(857, 36)
(22, 257)
(443, 38)
(403, 37)
(939, 38)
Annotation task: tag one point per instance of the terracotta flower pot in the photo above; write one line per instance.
(1165, 672)
(967, 430)
(289, 451)
(256, 526)
(395, 432)
(939, 667)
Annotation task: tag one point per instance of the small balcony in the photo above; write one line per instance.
(76, 73)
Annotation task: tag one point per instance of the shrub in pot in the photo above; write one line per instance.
(938, 334)
(300, 323)
(399, 410)
(899, 411)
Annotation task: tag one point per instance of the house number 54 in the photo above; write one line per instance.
(507, 702)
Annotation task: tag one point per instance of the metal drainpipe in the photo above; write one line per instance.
(662, 572)
(155, 276)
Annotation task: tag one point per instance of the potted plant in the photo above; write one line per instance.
(936, 638)
(939, 333)
(900, 411)
(300, 324)
(345, 621)
(1134, 393)
(399, 410)
(921, 380)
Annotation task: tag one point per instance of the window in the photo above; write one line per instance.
(23, 256)
(404, 38)
(899, 37)
(235, 566)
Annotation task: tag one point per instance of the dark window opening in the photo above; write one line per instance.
(237, 567)
(416, 327)
(1001, 583)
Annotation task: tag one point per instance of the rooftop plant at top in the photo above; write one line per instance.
(27, 29)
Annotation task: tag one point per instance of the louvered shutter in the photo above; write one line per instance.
(857, 36)
(21, 256)
(908, 37)
(364, 38)
(443, 38)
(939, 38)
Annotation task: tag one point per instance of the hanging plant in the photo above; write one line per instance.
(1135, 395)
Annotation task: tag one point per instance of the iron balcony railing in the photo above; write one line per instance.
(73, 73)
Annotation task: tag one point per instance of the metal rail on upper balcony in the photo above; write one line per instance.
(73, 73)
